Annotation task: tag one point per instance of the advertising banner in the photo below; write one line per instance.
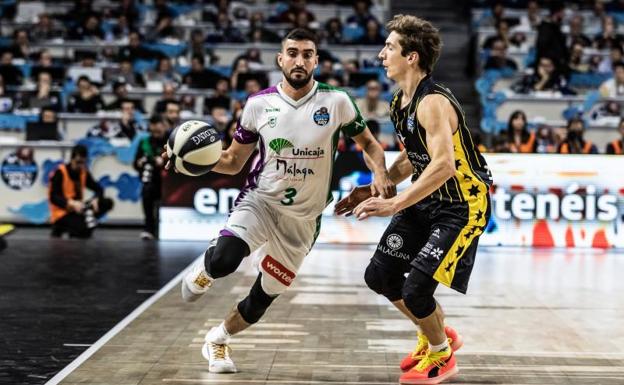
(538, 200)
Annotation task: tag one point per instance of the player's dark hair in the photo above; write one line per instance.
(420, 36)
(299, 34)
(79, 150)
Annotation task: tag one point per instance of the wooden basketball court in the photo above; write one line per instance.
(530, 317)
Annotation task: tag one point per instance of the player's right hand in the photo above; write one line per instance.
(165, 159)
(355, 197)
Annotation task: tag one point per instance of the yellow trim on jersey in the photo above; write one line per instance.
(469, 182)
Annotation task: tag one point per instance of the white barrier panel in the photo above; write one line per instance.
(537, 200)
(24, 170)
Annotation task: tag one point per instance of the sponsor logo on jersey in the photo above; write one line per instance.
(436, 233)
(436, 253)
(272, 109)
(410, 124)
(278, 144)
(394, 241)
(321, 116)
(277, 271)
(291, 170)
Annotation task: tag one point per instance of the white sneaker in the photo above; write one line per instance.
(196, 282)
(218, 356)
(146, 235)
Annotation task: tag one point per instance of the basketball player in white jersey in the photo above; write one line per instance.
(296, 126)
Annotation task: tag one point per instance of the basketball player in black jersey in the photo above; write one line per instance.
(437, 221)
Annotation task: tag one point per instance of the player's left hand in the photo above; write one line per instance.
(382, 186)
(375, 207)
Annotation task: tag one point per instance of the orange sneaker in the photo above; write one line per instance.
(411, 359)
(433, 368)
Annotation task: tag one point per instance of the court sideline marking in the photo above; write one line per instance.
(60, 376)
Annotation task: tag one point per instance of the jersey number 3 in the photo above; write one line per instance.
(289, 194)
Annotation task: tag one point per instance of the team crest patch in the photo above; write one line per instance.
(410, 124)
(272, 121)
(321, 116)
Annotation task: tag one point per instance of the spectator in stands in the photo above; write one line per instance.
(48, 115)
(574, 142)
(172, 115)
(258, 32)
(45, 59)
(199, 76)
(120, 89)
(545, 78)
(87, 100)
(21, 45)
(221, 97)
(545, 142)
(128, 9)
(135, 50)
(90, 29)
(122, 28)
(126, 74)
(616, 54)
(373, 35)
(349, 67)
(371, 106)
(225, 32)
(498, 59)
(302, 21)
(219, 118)
(70, 211)
(519, 139)
(362, 14)
(551, 41)
(332, 34)
(294, 8)
(126, 127)
(616, 146)
(81, 11)
(608, 37)
(187, 105)
(240, 66)
(614, 86)
(164, 21)
(252, 86)
(43, 95)
(46, 29)
(6, 100)
(12, 75)
(533, 16)
(169, 95)
(325, 70)
(576, 35)
(502, 32)
(577, 62)
(149, 164)
(164, 72)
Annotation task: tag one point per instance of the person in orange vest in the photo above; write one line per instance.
(616, 147)
(574, 142)
(70, 211)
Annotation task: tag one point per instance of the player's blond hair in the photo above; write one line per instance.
(417, 35)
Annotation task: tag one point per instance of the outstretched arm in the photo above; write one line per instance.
(231, 161)
(436, 113)
(382, 185)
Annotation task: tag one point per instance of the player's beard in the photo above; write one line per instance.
(297, 83)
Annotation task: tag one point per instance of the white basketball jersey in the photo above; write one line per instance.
(297, 146)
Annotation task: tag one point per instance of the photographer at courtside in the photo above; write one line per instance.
(149, 164)
(70, 212)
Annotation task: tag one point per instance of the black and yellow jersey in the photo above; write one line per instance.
(472, 176)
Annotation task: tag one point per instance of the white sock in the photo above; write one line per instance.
(418, 329)
(438, 348)
(218, 335)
